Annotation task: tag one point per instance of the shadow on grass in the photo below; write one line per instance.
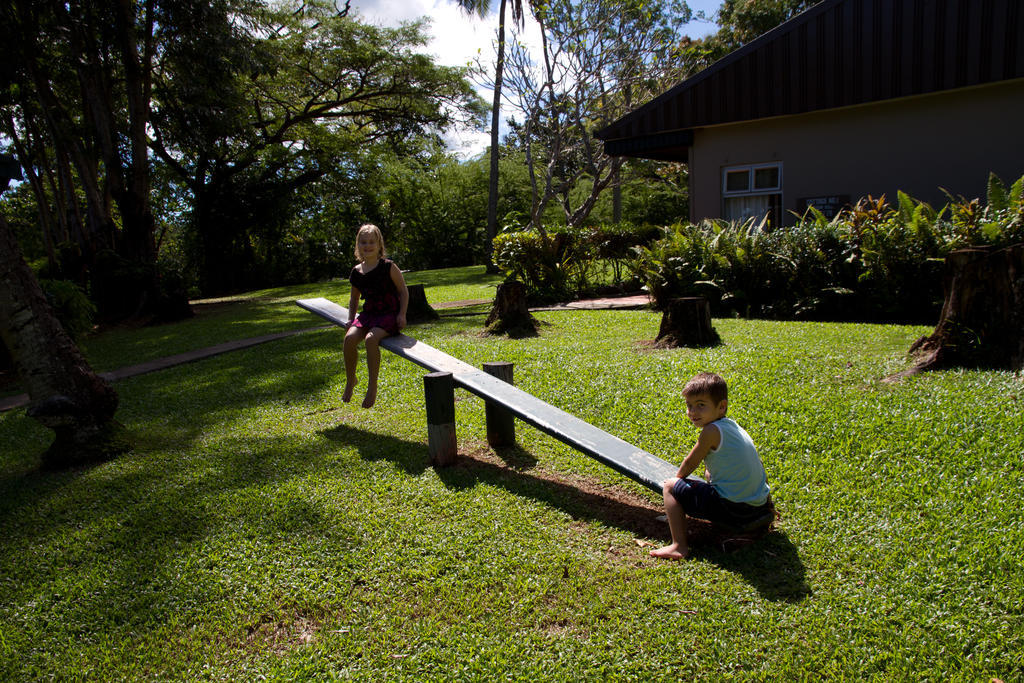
(229, 386)
(177, 406)
(142, 546)
(768, 562)
(771, 564)
(412, 456)
(517, 457)
(580, 498)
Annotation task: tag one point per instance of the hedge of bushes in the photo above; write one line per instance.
(563, 264)
(872, 262)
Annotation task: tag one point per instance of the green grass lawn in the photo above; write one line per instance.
(263, 528)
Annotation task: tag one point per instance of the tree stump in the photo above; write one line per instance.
(982, 320)
(419, 310)
(687, 322)
(510, 315)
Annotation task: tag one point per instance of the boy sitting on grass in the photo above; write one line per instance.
(737, 492)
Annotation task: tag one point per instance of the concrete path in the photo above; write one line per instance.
(612, 302)
(11, 402)
(632, 301)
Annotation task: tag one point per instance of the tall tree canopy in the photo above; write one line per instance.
(599, 59)
(243, 101)
(78, 105)
(320, 92)
(740, 21)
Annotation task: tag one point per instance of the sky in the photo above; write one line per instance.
(457, 39)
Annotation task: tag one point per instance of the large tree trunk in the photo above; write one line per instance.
(982, 321)
(66, 395)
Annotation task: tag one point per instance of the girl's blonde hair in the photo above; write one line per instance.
(375, 231)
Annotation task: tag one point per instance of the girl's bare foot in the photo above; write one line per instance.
(671, 552)
(371, 397)
(350, 386)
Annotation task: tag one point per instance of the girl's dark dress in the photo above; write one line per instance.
(380, 297)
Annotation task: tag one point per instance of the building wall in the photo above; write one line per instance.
(920, 144)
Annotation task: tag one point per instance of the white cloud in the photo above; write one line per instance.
(458, 38)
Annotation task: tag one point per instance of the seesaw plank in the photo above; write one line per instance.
(620, 455)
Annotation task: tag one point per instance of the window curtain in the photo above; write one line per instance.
(746, 207)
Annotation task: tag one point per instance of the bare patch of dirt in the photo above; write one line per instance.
(281, 634)
(647, 346)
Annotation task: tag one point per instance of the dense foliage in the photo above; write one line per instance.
(565, 263)
(270, 131)
(189, 131)
(598, 60)
(335, 97)
(874, 261)
(430, 205)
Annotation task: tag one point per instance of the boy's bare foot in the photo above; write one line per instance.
(346, 396)
(671, 552)
(371, 397)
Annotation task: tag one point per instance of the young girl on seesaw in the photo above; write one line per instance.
(380, 283)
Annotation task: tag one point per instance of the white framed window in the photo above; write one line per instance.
(751, 191)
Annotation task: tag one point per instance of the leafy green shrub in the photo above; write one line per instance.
(873, 261)
(123, 289)
(1002, 221)
(615, 244)
(745, 269)
(117, 285)
(172, 293)
(562, 263)
(536, 260)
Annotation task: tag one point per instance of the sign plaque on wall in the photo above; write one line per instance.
(829, 205)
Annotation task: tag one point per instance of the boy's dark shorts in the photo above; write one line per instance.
(701, 500)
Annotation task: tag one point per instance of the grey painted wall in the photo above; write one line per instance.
(918, 144)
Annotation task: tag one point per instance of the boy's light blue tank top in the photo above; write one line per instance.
(735, 467)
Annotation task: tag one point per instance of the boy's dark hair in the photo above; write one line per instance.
(707, 383)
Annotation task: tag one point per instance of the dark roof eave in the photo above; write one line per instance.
(721, 64)
(667, 146)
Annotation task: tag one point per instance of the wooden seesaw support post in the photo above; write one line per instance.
(501, 424)
(504, 402)
(439, 393)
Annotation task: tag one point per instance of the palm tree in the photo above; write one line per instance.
(481, 8)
